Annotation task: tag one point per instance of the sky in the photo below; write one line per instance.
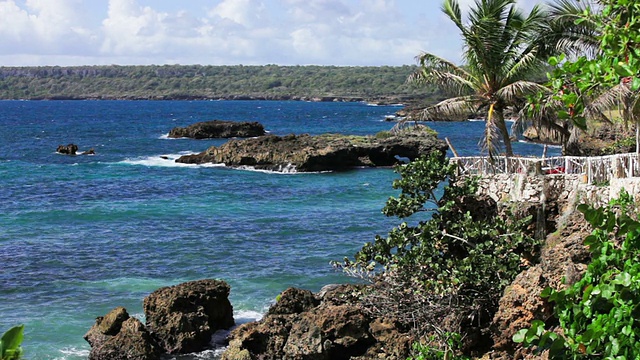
(226, 32)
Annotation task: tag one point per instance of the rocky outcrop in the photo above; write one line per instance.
(564, 259)
(184, 317)
(179, 319)
(331, 328)
(70, 149)
(319, 153)
(116, 336)
(218, 129)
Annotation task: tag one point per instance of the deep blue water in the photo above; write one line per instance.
(81, 235)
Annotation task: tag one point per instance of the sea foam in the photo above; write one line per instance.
(166, 160)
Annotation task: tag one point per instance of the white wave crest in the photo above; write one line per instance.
(166, 160)
(73, 353)
(245, 316)
(286, 170)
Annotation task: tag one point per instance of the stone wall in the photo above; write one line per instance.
(566, 190)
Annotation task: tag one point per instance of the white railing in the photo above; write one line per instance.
(597, 169)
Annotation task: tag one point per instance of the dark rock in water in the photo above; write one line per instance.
(184, 317)
(218, 129)
(333, 329)
(116, 336)
(320, 153)
(70, 149)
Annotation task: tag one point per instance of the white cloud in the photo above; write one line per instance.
(46, 26)
(339, 32)
(248, 13)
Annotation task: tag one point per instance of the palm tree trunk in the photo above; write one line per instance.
(502, 126)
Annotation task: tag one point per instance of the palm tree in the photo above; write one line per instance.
(499, 57)
(627, 100)
(570, 32)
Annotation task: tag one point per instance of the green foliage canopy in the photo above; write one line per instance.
(205, 82)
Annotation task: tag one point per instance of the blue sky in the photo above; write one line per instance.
(225, 32)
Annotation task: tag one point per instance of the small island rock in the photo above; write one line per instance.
(326, 152)
(218, 129)
(70, 149)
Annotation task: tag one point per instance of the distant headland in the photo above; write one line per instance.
(380, 85)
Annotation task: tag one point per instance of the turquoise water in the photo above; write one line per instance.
(81, 235)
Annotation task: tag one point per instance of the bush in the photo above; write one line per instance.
(598, 314)
(438, 349)
(453, 264)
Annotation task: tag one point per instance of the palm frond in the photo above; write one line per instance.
(442, 73)
(452, 9)
(457, 108)
(565, 35)
(515, 91)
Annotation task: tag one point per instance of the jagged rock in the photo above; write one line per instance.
(319, 153)
(218, 129)
(184, 317)
(116, 336)
(294, 301)
(391, 343)
(564, 260)
(70, 149)
(336, 329)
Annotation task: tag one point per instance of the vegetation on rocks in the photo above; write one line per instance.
(446, 273)
(597, 315)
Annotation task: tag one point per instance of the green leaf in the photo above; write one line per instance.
(635, 84)
(12, 339)
(546, 292)
(519, 336)
(557, 347)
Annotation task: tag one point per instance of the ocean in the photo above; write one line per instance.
(81, 235)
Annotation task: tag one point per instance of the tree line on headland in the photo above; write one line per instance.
(167, 82)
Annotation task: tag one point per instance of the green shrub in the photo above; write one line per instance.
(383, 135)
(10, 343)
(599, 313)
(434, 350)
(453, 263)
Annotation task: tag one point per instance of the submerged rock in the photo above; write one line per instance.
(326, 152)
(184, 317)
(218, 129)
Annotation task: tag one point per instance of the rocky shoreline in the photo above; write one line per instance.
(337, 323)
